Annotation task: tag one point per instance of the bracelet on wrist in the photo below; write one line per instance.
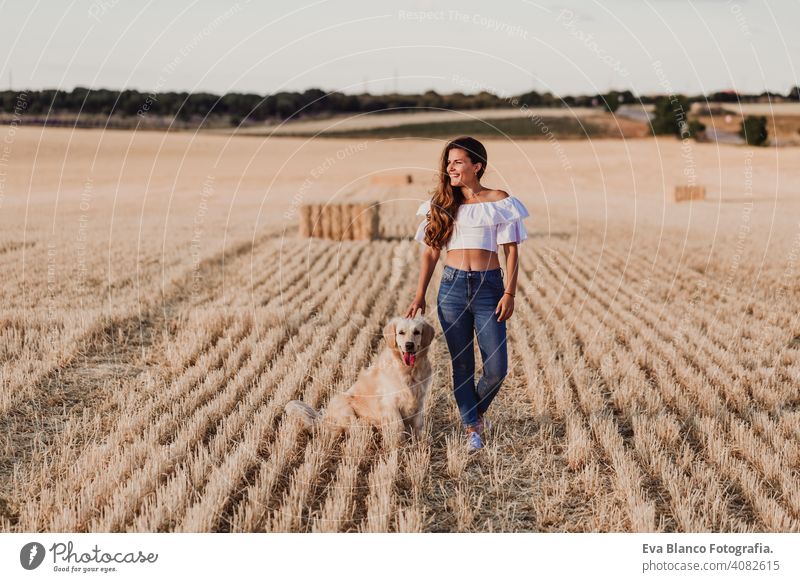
(508, 293)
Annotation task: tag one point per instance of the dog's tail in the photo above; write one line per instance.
(299, 409)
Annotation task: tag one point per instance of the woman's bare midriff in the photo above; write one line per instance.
(472, 259)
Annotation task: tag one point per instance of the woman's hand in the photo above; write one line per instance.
(505, 307)
(418, 303)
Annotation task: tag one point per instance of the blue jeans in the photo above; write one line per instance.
(465, 305)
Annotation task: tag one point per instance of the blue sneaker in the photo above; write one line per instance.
(474, 442)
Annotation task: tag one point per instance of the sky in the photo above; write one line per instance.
(506, 46)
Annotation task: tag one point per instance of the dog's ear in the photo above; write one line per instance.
(389, 331)
(427, 334)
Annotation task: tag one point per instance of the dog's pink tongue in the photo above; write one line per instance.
(409, 359)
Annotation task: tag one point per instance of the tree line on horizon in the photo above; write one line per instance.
(250, 107)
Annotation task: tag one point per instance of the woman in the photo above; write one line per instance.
(470, 221)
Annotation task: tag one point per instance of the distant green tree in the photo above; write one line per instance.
(531, 99)
(726, 97)
(626, 97)
(285, 105)
(610, 101)
(754, 130)
(670, 116)
(696, 128)
(432, 99)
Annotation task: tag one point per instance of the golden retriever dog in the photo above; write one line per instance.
(389, 393)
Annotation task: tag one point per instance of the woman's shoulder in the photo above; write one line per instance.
(497, 195)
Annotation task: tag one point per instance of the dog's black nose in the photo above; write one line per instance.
(409, 346)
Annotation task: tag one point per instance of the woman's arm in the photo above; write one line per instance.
(428, 259)
(512, 266)
(505, 307)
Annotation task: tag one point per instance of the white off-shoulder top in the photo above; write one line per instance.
(482, 225)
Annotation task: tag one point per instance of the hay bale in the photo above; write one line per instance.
(370, 222)
(325, 221)
(683, 193)
(358, 221)
(391, 179)
(376, 223)
(335, 211)
(345, 209)
(351, 215)
(355, 221)
(316, 220)
(306, 226)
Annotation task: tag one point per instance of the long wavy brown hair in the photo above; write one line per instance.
(446, 199)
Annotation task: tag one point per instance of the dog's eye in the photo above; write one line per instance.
(416, 332)
(401, 332)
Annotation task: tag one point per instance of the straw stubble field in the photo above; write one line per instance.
(653, 385)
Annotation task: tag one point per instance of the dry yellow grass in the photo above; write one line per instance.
(159, 309)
